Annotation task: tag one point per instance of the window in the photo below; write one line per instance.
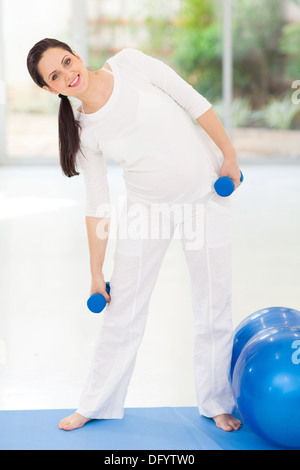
(31, 113)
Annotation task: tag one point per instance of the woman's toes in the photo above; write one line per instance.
(72, 422)
(227, 422)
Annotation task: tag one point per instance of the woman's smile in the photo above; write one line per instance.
(76, 81)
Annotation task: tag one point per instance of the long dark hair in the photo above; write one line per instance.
(69, 127)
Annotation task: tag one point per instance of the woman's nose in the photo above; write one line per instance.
(68, 77)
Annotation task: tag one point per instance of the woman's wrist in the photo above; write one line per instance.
(229, 153)
(97, 275)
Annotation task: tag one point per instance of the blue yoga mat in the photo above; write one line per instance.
(140, 429)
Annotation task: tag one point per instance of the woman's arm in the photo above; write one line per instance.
(212, 125)
(94, 171)
(97, 232)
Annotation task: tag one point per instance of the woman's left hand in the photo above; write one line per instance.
(230, 168)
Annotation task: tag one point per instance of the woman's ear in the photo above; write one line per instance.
(50, 90)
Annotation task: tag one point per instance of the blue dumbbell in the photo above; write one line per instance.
(96, 303)
(224, 186)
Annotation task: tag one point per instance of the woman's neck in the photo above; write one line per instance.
(100, 88)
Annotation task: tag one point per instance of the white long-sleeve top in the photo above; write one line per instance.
(146, 127)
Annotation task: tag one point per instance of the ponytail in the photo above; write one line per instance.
(69, 127)
(69, 137)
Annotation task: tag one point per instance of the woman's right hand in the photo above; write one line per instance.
(98, 286)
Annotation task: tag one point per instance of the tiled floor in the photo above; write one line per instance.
(46, 332)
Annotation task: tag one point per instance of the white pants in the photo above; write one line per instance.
(137, 263)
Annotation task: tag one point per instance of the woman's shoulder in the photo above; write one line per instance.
(132, 61)
(127, 54)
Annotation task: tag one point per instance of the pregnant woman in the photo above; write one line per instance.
(139, 112)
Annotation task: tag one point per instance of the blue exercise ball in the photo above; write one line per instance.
(260, 321)
(266, 385)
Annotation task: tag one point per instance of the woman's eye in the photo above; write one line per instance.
(67, 63)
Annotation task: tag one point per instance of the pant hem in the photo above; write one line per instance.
(96, 415)
(216, 412)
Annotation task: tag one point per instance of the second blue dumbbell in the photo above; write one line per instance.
(97, 302)
(224, 186)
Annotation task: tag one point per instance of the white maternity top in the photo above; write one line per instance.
(146, 127)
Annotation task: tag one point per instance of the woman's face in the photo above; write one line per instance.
(63, 72)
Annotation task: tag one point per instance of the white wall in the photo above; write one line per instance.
(25, 23)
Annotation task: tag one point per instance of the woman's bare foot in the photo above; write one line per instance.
(73, 421)
(227, 422)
